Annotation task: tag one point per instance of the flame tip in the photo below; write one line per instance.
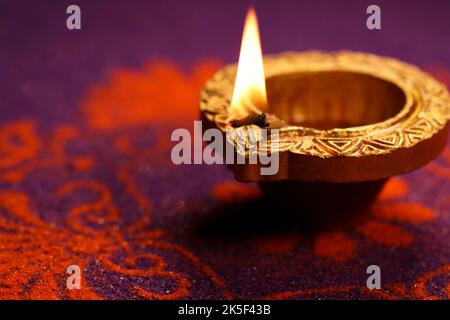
(250, 88)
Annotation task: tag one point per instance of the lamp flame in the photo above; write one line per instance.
(249, 93)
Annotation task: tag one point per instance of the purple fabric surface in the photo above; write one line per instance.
(47, 73)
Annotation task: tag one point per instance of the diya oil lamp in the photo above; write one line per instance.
(347, 121)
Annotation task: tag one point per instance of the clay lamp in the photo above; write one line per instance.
(347, 122)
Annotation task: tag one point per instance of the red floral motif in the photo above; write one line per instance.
(380, 228)
(392, 291)
(35, 252)
(161, 92)
(442, 170)
(233, 192)
(336, 245)
(341, 246)
(22, 150)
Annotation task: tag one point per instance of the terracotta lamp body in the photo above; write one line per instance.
(349, 122)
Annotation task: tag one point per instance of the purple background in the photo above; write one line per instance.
(42, 63)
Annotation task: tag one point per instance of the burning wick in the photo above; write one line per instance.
(249, 94)
(258, 119)
(252, 116)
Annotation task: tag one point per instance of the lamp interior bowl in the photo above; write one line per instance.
(333, 99)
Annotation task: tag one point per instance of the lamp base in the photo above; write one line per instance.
(322, 204)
